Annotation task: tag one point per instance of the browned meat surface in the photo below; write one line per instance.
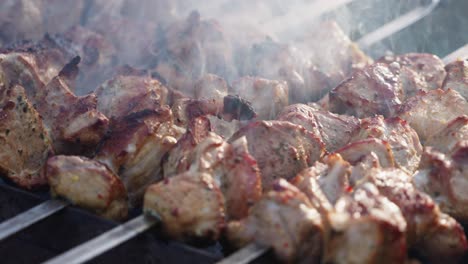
(25, 143)
(127, 94)
(445, 179)
(268, 97)
(447, 139)
(366, 228)
(376, 89)
(73, 121)
(334, 130)
(403, 140)
(209, 86)
(136, 146)
(190, 206)
(233, 169)
(457, 77)
(429, 112)
(418, 71)
(357, 151)
(88, 184)
(285, 220)
(281, 148)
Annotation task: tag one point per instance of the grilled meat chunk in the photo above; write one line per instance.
(429, 112)
(447, 139)
(376, 89)
(366, 227)
(190, 206)
(25, 143)
(285, 220)
(334, 130)
(209, 86)
(357, 151)
(73, 121)
(403, 140)
(136, 146)
(88, 184)
(418, 71)
(281, 148)
(444, 178)
(233, 169)
(268, 97)
(457, 77)
(127, 94)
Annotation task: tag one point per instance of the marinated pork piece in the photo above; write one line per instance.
(366, 228)
(188, 49)
(357, 151)
(444, 178)
(268, 97)
(127, 94)
(281, 148)
(374, 90)
(233, 169)
(446, 140)
(418, 71)
(285, 220)
(25, 143)
(190, 206)
(135, 147)
(31, 64)
(403, 140)
(429, 112)
(334, 130)
(88, 184)
(74, 123)
(457, 77)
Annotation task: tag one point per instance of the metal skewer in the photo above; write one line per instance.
(106, 241)
(461, 53)
(29, 217)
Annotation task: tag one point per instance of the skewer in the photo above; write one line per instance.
(461, 53)
(106, 241)
(29, 217)
(245, 255)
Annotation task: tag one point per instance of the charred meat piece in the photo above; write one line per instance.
(429, 112)
(447, 139)
(88, 184)
(190, 48)
(25, 143)
(281, 148)
(135, 147)
(418, 71)
(127, 94)
(233, 169)
(444, 178)
(376, 89)
(366, 228)
(285, 220)
(190, 206)
(334, 130)
(403, 140)
(73, 121)
(268, 97)
(229, 108)
(457, 77)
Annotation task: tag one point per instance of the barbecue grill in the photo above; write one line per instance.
(68, 227)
